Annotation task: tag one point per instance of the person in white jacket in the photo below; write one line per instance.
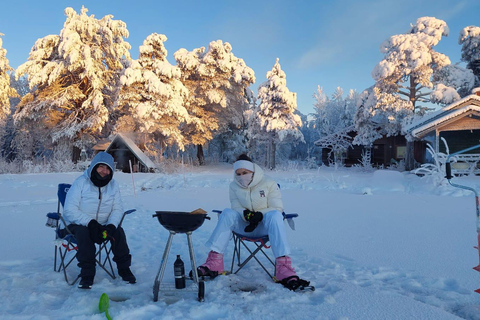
(256, 210)
(93, 211)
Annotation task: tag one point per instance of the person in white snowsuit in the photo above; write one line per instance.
(93, 211)
(256, 210)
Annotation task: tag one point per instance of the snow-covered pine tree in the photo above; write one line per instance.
(410, 65)
(152, 98)
(470, 40)
(73, 77)
(276, 112)
(6, 90)
(216, 80)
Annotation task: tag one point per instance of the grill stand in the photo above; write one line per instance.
(161, 270)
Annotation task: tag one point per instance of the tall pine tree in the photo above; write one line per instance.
(411, 67)
(216, 80)
(152, 97)
(74, 77)
(414, 72)
(6, 91)
(276, 112)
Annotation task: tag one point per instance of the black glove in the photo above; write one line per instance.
(253, 217)
(96, 231)
(110, 231)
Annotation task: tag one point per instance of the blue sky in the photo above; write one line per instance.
(328, 43)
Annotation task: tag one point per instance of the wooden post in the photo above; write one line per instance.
(133, 181)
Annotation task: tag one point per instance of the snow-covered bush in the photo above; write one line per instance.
(365, 162)
(9, 166)
(311, 163)
(436, 170)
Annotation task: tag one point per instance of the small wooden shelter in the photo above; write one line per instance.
(125, 152)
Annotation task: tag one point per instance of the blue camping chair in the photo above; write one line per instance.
(254, 246)
(66, 244)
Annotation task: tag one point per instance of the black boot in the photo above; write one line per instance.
(127, 275)
(86, 282)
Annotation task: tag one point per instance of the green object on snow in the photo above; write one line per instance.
(103, 305)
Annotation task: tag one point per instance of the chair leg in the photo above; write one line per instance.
(55, 259)
(238, 242)
(103, 264)
(236, 252)
(62, 266)
(253, 255)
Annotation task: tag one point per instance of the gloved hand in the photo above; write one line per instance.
(96, 231)
(253, 217)
(110, 231)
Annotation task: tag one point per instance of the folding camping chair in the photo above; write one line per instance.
(66, 244)
(258, 244)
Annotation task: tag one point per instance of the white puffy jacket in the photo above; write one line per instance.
(85, 201)
(263, 194)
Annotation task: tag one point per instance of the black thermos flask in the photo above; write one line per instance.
(179, 270)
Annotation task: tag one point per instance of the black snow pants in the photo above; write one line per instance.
(87, 249)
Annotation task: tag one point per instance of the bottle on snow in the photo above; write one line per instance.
(179, 270)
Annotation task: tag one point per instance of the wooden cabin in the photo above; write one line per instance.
(383, 152)
(457, 123)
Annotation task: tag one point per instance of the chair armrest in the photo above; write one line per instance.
(289, 215)
(130, 211)
(124, 214)
(53, 215)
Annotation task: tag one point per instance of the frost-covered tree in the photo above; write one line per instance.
(335, 113)
(380, 114)
(276, 112)
(73, 77)
(334, 117)
(412, 69)
(470, 40)
(21, 87)
(234, 135)
(453, 81)
(216, 80)
(152, 97)
(6, 90)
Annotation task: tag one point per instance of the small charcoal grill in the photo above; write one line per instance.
(180, 222)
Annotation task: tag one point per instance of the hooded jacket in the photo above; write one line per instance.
(263, 194)
(85, 201)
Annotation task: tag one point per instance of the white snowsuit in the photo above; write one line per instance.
(263, 194)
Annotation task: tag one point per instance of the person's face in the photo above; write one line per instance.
(242, 172)
(103, 170)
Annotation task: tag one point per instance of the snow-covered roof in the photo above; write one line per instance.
(446, 116)
(142, 157)
(432, 120)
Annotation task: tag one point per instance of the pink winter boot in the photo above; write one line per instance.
(213, 266)
(283, 268)
(285, 274)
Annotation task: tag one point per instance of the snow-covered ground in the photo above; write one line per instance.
(377, 245)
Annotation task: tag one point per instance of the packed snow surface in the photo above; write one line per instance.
(376, 245)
